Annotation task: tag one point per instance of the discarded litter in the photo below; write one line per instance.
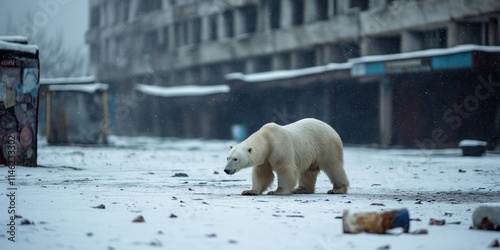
(373, 222)
(486, 218)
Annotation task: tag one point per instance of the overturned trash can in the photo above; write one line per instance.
(19, 81)
(76, 111)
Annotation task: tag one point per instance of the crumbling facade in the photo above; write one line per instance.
(172, 43)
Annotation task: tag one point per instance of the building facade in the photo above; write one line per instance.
(175, 43)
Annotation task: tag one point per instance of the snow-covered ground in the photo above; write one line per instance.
(134, 177)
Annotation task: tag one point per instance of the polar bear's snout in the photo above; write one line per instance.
(228, 171)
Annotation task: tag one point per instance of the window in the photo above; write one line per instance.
(263, 64)
(95, 17)
(435, 39)
(306, 59)
(151, 41)
(275, 13)
(229, 23)
(146, 6)
(212, 23)
(196, 30)
(177, 34)
(297, 12)
(166, 38)
(122, 10)
(95, 52)
(322, 9)
(249, 18)
(361, 5)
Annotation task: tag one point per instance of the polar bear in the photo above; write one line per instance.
(295, 152)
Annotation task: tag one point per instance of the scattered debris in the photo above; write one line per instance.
(232, 242)
(216, 172)
(375, 222)
(418, 202)
(100, 206)
(205, 203)
(338, 217)
(180, 175)
(454, 223)
(376, 185)
(377, 204)
(495, 244)
(17, 216)
(90, 234)
(347, 202)
(172, 216)
(139, 219)
(295, 216)
(462, 171)
(386, 247)
(448, 214)
(213, 235)
(434, 222)
(27, 222)
(416, 219)
(160, 232)
(420, 231)
(190, 189)
(155, 243)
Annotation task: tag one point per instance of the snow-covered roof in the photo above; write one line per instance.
(425, 53)
(285, 74)
(27, 48)
(14, 39)
(67, 80)
(188, 90)
(87, 88)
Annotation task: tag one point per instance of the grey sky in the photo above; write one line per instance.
(68, 16)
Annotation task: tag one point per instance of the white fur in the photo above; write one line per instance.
(296, 152)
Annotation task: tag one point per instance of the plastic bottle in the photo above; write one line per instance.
(374, 222)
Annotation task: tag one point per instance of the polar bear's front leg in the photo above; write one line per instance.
(286, 182)
(262, 178)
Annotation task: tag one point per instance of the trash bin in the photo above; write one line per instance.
(473, 147)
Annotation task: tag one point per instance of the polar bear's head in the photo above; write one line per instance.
(239, 157)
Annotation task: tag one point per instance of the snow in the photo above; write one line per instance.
(188, 90)
(15, 39)
(471, 143)
(425, 53)
(30, 48)
(133, 176)
(87, 88)
(285, 74)
(67, 80)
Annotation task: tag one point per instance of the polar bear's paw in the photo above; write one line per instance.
(250, 192)
(338, 190)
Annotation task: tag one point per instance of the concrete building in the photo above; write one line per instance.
(172, 43)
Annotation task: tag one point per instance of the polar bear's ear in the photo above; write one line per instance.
(230, 146)
(250, 149)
